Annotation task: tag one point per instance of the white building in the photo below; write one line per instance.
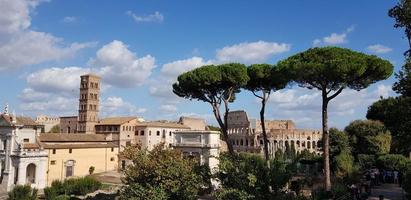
(48, 122)
(149, 134)
(20, 166)
(204, 145)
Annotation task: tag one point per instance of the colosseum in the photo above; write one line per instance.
(246, 135)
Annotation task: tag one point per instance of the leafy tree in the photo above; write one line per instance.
(339, 142)
(403, 84)
(159, 171)
(214, 84)
(369, 137)
(366, 161)
(22, 192)
(331, 70)
(55, 129)
(393, 162)
(395, 113)
(263, 79)
(402, 15)
(249, 173)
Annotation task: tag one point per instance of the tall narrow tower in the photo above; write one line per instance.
(88, 103)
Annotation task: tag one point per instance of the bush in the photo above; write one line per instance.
(407, 181)
(393, 162)
(74, 186)
(366, 161)
(22, 192)
(231, 194)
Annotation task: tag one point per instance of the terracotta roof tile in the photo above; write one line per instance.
(115, 120)
(64, 137)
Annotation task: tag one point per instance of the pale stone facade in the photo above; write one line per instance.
(204, 145)
(149, 134)
(48, 122)
(245, 135)
(20, 166)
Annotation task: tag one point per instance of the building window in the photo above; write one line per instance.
(70, 150)
(26, 140)
(31, 173)
(123, 164)
(149, 133)
(112, 149)
(141, 132)
(158, 133)
(54, 151)
(53, 162)
(169, 133)
(112, 159)
(16, 175)
(70, 168)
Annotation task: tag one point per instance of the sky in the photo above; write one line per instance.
(140, 47)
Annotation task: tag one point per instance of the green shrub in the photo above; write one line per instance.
(22, 192)
(231, 194)
(366, 161)
(74, 186)
(407, 181)
(393, 162)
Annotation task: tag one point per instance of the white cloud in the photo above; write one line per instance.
(251, 52)
(168, 108)
(304, 106)
(116, 106)
(20, 46)
(378, 49)
(334, 38)
(120, 67)
(155, 17)
(56, 80)
(161, 85)
(69, 19)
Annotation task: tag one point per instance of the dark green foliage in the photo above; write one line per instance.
(22, 192)
(249, 173)
(330, 70)
(369, 137)
(139, 192)
(402, 15)
(73, 186)
(366, 161)
(334, 68)
(161, 170)
(339, 142)
(393, 162)
(231, 194)
(395, 113)
(403, 84)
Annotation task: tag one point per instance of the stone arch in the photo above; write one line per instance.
(31, 173)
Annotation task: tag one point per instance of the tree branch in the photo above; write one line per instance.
(255, 94)
(335, 94)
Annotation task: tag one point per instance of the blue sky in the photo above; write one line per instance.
(139, 48)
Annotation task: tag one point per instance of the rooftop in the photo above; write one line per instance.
(64, 137)
(115, 120)
(162, 124)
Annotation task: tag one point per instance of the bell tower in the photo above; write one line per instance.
(89, 102)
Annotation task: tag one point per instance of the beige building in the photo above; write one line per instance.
(119, 129)
(47, 122)
(245, 135)
(88, 103)
(72, 155)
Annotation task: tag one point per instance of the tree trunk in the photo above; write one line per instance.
(223, 127)
(327, 176)
(265, 139)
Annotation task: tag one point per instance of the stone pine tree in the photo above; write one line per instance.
(264, 78)
(402, 15)
(330, 70)
(216, 85)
